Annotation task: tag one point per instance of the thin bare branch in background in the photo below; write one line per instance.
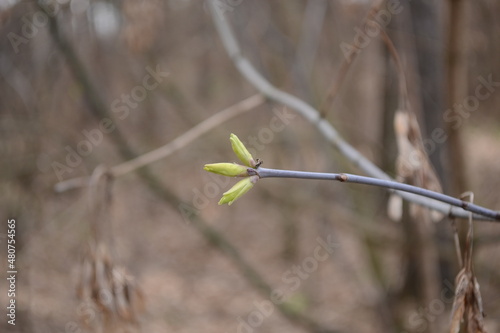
(178, 143)
(457, 88)
(113, 293)
(328, 101)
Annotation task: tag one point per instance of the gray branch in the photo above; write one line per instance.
(313, 116)
(389, 184)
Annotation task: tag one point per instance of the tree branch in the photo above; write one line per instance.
(388, 184)
(314, 117)
(346, 65)
(178, 143)
(214, 237)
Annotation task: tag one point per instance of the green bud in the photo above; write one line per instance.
(240, 188)
(241, 151)
(227, 169)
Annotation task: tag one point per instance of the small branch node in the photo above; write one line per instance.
(253, 172)
(342, 177)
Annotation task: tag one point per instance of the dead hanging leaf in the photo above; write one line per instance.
(476, 315)
(462, 285)
(468, 304)
(113, 295)
(395, 207)
(412, 164)
(128, 297)
(109, 288)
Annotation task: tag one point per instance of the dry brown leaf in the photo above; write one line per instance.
(395, 207)
(467, 303)
(109, 288)
(458, 309)
(412, 164)
(475, 314)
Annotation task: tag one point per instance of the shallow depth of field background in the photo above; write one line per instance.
(190, 285)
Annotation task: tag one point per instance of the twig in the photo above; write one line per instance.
(349, 178)
(314, 117)
(456, 82)
(171, 147)
(403, 90)
(345, 65)
(189, 136)
(467, 258)
(162, 192)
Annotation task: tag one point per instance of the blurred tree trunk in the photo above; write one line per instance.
(430, 45)
(417, 33)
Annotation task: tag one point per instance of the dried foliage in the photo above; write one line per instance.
(112, 292)
(47, 109)
(107, 287)
(467, 305)
(412, 165)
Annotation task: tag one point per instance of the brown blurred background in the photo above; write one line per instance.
(59, 74)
